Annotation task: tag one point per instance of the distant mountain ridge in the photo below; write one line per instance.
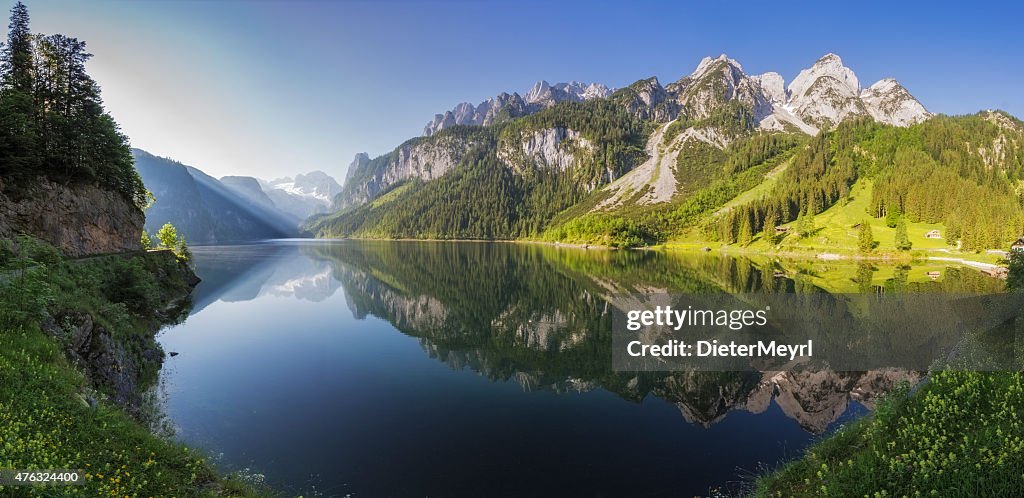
(508, 106)
(304, 194)
(202, 208)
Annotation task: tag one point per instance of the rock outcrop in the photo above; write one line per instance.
(123, 366)
(80, 220)
(556, 148)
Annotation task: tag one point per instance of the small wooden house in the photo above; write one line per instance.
(781, 229)
(934, 275)
(934, 234)
(1018, 246)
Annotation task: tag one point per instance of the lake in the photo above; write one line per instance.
(472, 369)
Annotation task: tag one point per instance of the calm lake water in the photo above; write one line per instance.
(473, 369)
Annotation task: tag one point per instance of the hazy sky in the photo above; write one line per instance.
(272, 88)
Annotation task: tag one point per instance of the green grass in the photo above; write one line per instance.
(835, 233)
(959, 435)
(762, 189)
(46, 424)
(835, 226)
(391, 196)
(45, 420)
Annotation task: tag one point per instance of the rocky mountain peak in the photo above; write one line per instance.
(829, 66)
(546, 94)
(825, 93)
(360, 161)
(540, 90)
(888, 102)
(773, 86)
(714, 83)
(709, 63)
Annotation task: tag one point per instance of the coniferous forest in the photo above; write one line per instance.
(52, 121)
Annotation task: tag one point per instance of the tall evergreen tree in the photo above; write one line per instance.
(770, 222)
(52, 121)
(865, 239)
(16, 61)
(18, 130)
(902, 240)
(745, 232)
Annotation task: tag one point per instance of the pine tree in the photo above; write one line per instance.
(865, 239)
(892, 217)
(902, 240)
(801, 222)
(1015, 277)
(16, 59)
(770, 223)
(18, 130)
(745, 235)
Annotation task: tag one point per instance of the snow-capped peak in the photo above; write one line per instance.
(315, 185)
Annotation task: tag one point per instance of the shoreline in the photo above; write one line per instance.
(992, 269)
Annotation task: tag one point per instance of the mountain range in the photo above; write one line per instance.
(233, 208)
(650, 163)
(505, 106)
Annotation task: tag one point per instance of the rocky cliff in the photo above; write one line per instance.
(80, 220)
(419, 159)
(557, 148)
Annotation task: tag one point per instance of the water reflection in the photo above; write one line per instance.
(540, 316)
(482, 369)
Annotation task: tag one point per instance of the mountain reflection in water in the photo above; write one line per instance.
(535, 316)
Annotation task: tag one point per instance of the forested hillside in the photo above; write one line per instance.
(500, 189)
(964, 172)
(718, 157)
(52, 121)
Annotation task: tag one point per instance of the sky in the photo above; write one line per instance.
(271, 88)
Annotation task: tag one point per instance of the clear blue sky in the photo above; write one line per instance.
(271, 88)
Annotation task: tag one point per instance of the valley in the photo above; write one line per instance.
(503, 304)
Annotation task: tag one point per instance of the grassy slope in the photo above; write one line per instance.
(45, 422)
(763, 188)
(835, 233)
